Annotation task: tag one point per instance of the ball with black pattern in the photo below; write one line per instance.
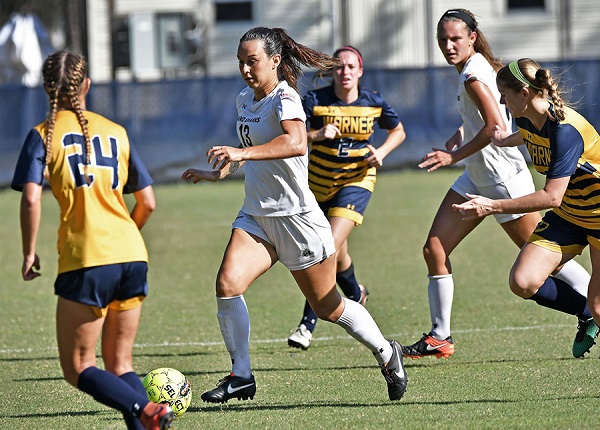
(171, 386)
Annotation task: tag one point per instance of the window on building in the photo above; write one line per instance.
(233, 11)
(120, 42)
(526, 4)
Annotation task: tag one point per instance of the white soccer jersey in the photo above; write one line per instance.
(492, 165)
(273, 187)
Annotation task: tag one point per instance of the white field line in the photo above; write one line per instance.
(324, 338)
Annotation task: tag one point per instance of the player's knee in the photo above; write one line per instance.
(434, 255)
(523, 284)
(228, 284)
(431, 248)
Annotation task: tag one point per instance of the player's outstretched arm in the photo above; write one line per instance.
(195, 175)
(226, 159)
(503, 138)
(547, 198)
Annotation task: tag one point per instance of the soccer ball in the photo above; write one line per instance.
(170, 386)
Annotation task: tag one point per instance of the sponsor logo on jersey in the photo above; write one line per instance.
(246, 119)
(287, 96)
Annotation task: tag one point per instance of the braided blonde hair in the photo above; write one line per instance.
(64, 75)
(541, 79)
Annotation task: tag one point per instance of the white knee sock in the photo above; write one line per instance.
(575, 275)
(234, 321)
(441, 292)
(358, 323)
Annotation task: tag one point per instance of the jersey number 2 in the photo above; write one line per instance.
(97, 159)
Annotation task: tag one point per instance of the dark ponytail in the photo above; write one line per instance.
(293, 55)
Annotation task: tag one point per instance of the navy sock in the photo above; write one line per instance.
(309, 319)
(111, 391)
(348, 283)
(134, 381)
(558, 295)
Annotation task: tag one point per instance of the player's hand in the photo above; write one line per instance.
(436, 159)
(454, 142)
(30, 268)
(220, 156)
(329, 131)
(476, 207)
(375, 159)
(196, 175)
(498, 135)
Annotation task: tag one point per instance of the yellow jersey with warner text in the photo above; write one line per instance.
(340, 162)
(568, 148)
(95, 225)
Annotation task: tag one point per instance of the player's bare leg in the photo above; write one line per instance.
(246, 258)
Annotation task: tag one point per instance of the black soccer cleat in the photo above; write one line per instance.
(231, 387)
(394, 373)
(429, 346)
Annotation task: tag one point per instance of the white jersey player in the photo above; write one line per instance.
(494, 172)
(280, 218)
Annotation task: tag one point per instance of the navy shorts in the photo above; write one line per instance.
(559, 235)
(349, 202)
(121, 286)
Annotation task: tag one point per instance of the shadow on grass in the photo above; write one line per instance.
(259, 369)
(404, 403)
(416, 364)
(308, 405)
(58, 414)
(430, 362)
(21, 359)
(138, 354)
(184, 371)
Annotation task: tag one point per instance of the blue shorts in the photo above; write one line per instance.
(559, 235)
(349, 202)
(118, 286)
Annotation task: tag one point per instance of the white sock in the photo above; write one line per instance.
(234, 321)
(575, 275)
(358, 323)
(441, 292)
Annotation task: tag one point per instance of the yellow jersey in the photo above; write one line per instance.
(95, 224)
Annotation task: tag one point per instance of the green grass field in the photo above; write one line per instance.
(512, 367)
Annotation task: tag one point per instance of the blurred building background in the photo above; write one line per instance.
(168, 70)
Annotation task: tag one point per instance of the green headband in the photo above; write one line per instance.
(516, 72)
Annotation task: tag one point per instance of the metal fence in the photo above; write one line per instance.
(172, 123)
